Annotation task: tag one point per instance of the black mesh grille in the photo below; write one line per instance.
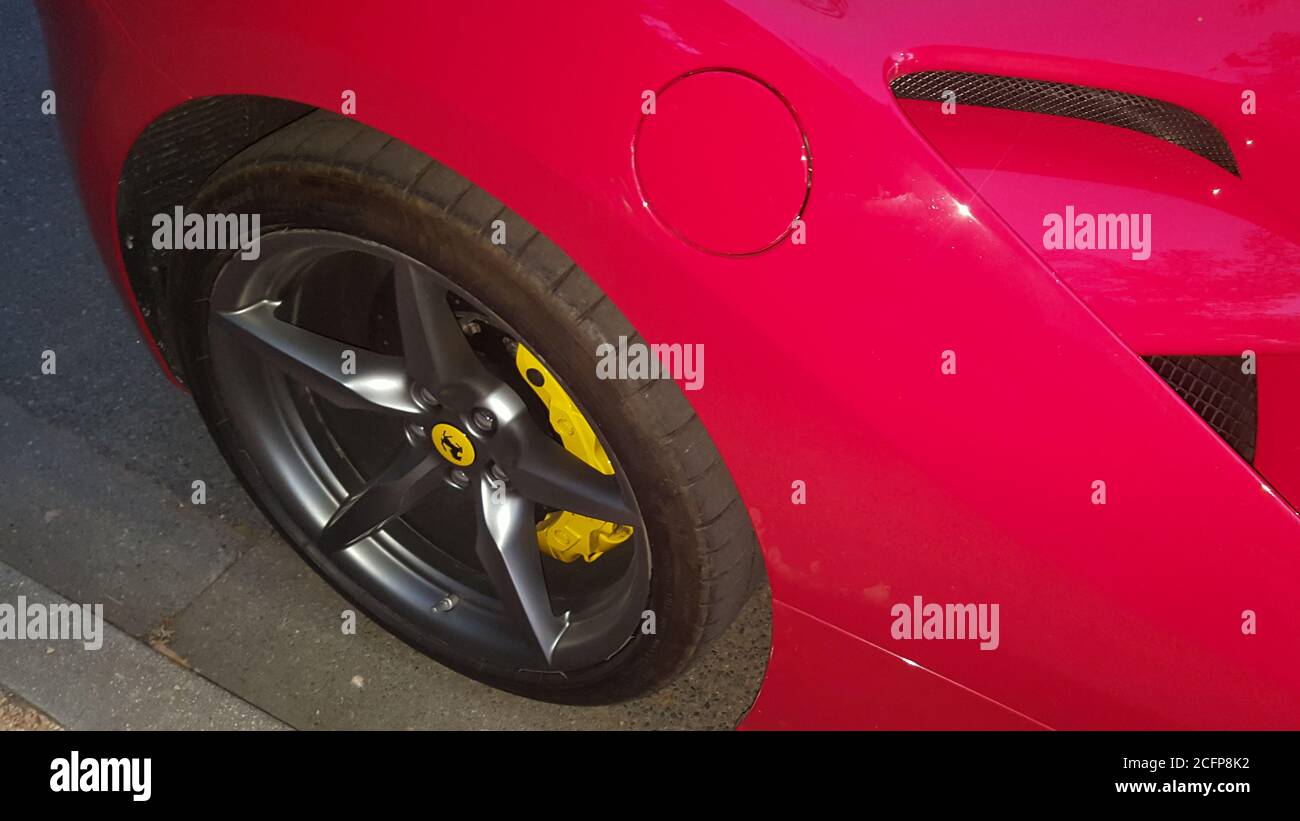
(1157, 118)
(1216, 388)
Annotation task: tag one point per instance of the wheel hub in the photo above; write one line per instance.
(453, 445)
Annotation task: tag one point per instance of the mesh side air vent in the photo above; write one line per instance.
(1157, 118)
(1216, 388)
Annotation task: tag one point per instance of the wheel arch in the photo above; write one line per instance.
(165, 167)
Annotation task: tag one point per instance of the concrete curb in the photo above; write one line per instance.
(122, 685)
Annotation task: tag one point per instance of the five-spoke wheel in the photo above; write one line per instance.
(301, 374)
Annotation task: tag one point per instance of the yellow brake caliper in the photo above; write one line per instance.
(562, 534)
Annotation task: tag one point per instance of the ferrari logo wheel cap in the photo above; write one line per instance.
(453, 445)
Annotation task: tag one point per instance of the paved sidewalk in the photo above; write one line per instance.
(122, 684)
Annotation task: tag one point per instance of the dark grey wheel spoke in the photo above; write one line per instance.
(507, 547)
(438, 356)
(547, 473)
(317, 362)
(409, 477)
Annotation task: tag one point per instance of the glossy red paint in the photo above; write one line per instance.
(1279, 436)
(973, 487)
(722, 142)
(1223, 274)
(885, 694)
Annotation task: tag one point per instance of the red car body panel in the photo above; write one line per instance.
(824, 357)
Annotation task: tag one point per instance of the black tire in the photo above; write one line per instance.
(328, 172)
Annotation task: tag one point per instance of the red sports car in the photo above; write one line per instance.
(1001, 309)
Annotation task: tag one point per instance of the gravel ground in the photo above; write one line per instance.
(16, 714)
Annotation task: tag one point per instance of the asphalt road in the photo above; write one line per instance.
(96, 466)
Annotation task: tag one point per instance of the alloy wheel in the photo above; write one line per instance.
(454, 422)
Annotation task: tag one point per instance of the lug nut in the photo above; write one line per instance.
(446, 603)
(484, 420)
(459, 477)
